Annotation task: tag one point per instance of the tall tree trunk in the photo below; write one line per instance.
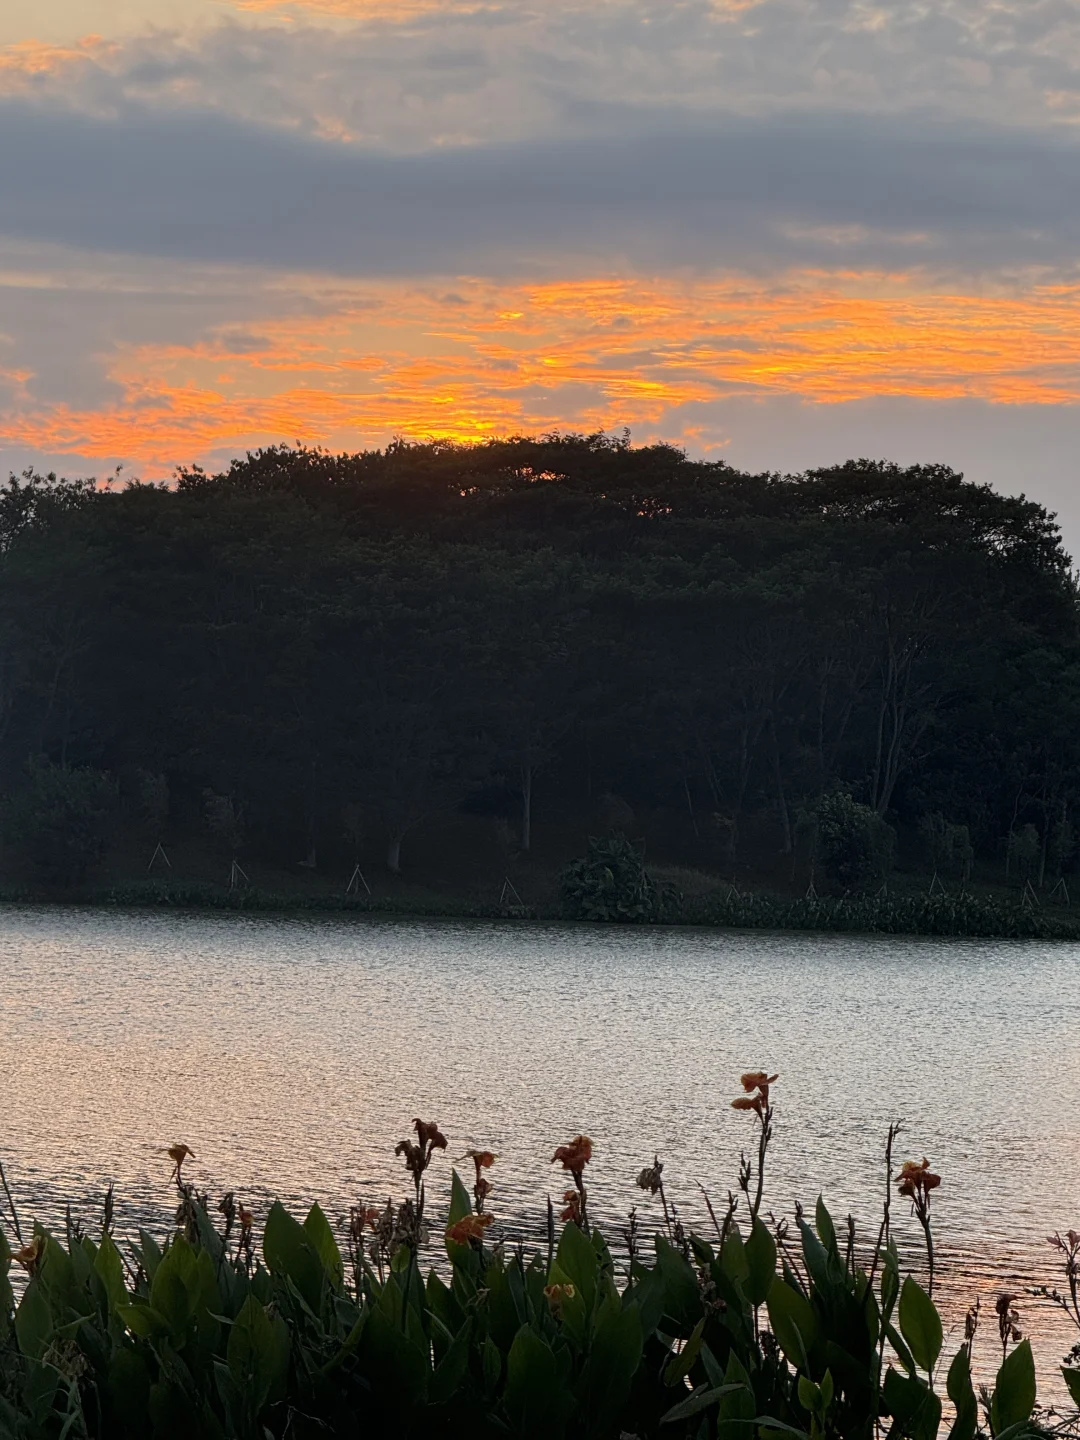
(526, 806)
(781, 798)
(393, 854)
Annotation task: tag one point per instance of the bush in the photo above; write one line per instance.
(947, 848)
(854, 844)
(611, 883)
(60, 820)
(685, 1337)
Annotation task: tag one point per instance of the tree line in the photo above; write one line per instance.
(308, 652)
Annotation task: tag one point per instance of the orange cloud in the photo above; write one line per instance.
(475, 359)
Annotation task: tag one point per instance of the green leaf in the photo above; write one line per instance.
(536, 1399)
(680, 1364)
(682, 1295)
(452, 1368)
(460, 1199)
(614, 1357)
(577, 1260)
(109, 1269)
(960, 1391)
(253, 1353)
(492, 1365)
(33, 1321)
(825, 1227)
(792, 1322)
(318, 1231)
(289, 1252)
(175, 1288)
(698, 1400)
(1072, 1380)
(760, 1251)
(920, 1324)
(1014, 1390)
(738, 1405)
(915, 1409)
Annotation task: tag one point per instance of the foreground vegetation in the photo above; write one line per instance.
(758, 1329)
(455, 663)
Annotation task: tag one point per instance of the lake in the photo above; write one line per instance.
(292, 1053)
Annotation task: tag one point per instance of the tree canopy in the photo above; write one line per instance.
(523, 626)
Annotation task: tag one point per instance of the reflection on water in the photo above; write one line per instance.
(291, 1053)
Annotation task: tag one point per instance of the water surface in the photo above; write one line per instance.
(291, 1053)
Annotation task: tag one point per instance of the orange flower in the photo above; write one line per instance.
(482, 1188)
(29, 1257)
(572, 1201)
(247, 1219)
(917, 1178)
(556, 1294)
(470, 1227)
(178, 1154)
(429, 1136)
(576, 1155)
(747, 1102)
(757, 1080)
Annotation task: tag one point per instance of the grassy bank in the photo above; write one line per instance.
(986, 915)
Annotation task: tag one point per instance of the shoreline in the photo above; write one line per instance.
(967, 915)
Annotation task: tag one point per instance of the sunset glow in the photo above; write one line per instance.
(783, 234)
(588, 354)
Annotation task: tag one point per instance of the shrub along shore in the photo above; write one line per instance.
(967, 914)
(416, 1321)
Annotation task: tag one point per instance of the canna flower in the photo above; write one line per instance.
(247, 1219)
(747, 1102)
(916, 1179)
(29, 1256)
(470, 1227)
(428, 1136)
(572, 1212)
(178, 1154)
(575, 1156)
(556, 1294)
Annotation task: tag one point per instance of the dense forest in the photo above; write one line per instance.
(414, 655)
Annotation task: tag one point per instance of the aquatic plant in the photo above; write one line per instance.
(612, 883)
(761, 1330)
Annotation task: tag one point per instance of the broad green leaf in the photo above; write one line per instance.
(289, 1252)
(318, 1231)
(825, 1227)
(1014, 1389)
(614, 1357)
(698, 1400)
(451, 1370)
(792, 1321)
(920, 1324)
(109, 1269)
(537, 1401)
(960, 1391)
(255, 1360)
(760, 1252)
(33, 1321)
(1072, 1380)
(576, 1259)
(680, 1364)
(174, 1292)
(738, 1405)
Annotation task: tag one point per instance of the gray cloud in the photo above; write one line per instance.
(734, 192)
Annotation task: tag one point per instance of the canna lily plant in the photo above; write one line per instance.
(758, 1332)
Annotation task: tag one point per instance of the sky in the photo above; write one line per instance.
(780, 233)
